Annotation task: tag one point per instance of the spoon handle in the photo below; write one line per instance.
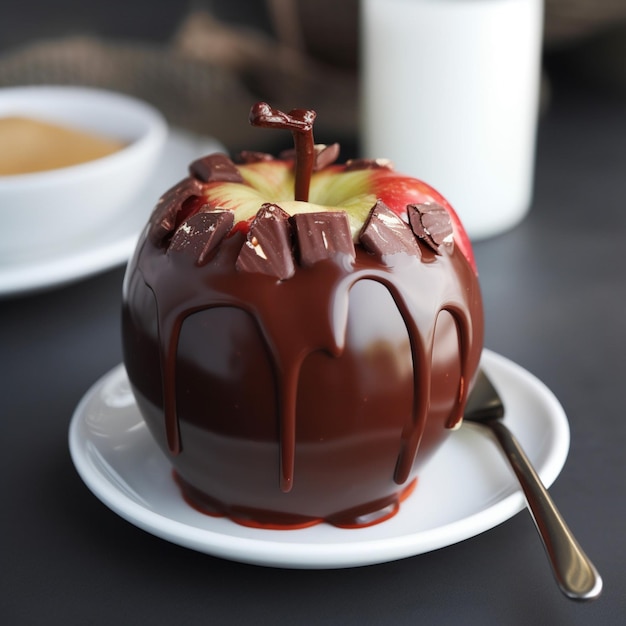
(575, 573)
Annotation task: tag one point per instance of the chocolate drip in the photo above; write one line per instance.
(297, 321)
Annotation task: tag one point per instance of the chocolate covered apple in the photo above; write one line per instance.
(301, 335)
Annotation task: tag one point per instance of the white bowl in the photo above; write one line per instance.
(55, 209)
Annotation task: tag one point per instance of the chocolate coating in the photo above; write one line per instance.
(284, 402)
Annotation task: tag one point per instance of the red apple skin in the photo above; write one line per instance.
(397, 190)
(353, 410)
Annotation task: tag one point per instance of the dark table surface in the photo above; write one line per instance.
(555, 294)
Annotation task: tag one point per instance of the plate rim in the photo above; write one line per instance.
(267, 550)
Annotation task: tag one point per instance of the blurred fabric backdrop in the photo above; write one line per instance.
(204, 62)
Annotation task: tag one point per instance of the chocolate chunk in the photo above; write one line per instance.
(431, 224)
(252, 156)
(385, 233)
(200, 235)
(174, 206)
(368, 164)
(323, 235)
(287, 155)
(215, 168)
(324, 155)
(268, 248)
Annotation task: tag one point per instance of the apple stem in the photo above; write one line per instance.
(300, 123)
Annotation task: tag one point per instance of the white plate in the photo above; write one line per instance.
(114, 245)
(465, 489)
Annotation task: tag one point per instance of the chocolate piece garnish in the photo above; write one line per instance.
(431, 223)
(215, 168)
(323, 235)
(385, 233)
(200, 235)
(252, 156)
(368, 164)
(324, 155)
(268, 248)
(289, 154)
(174, 206)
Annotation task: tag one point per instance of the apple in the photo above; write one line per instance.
(353, 187)
(301, 335)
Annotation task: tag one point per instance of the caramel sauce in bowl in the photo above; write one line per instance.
(31, 145)
(71, 160)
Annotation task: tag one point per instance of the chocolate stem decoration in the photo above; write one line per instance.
(300, 123)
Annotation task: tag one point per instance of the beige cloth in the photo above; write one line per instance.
(205, 80)
(208, 76)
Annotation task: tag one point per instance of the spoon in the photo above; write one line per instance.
(576, 576)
